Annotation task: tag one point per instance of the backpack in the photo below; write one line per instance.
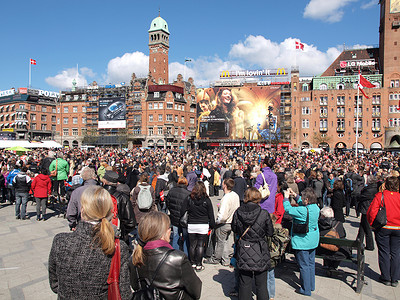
(147, 291)
(278, 242)
(348, 184)
(115, 220)
(144, 199)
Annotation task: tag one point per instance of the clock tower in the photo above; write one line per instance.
(158, 50)
(389, 42)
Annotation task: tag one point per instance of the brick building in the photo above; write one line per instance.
(326, 110)
(157, 113)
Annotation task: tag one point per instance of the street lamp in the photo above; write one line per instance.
(270, 125)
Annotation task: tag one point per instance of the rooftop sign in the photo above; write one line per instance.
(253, 73)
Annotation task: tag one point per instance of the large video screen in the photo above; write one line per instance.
(237, 112)
(112, 111)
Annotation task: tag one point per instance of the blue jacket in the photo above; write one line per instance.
(11, 176)
(308, 240)
(272, 180)
(191, 177)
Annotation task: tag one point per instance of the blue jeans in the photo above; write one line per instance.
(388, 242)
(271, 283)
(306, 261)
(179, 235)
(20, 198)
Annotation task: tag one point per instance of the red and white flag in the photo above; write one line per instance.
(364, 83)
(299, 45)
(33, 62)
(183, 135)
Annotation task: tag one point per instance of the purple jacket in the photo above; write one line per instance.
(272, 180)
(191, 177)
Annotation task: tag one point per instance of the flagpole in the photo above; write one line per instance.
(29, 81)
(358, 103)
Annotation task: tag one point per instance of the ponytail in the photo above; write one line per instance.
(104, 236)
(137, 256)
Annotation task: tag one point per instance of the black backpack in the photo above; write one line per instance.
(146, 289)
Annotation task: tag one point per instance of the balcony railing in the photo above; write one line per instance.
(340, 129)
(323, 103)
(323, 129)
(376, 129)
(340, 114)
(359, 128)
(376, 114)
(359, 115)
(323, 115)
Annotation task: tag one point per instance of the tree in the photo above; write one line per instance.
(321, 138)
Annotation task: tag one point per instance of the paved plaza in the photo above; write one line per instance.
(25, 246)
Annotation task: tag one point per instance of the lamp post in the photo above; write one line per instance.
(270, 125)
(249, 129)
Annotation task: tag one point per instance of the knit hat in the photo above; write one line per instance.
(111, 176)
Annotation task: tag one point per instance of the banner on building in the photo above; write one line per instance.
(236, 112)
(112, 112)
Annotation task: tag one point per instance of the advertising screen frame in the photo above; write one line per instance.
(112, 112)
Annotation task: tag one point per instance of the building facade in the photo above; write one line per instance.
(152, 112)
(328, 111)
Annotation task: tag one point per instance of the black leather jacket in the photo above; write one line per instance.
(125, 212)
(175, 199)
(175, 279)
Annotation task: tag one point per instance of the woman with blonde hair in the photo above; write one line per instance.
(168, 270)
(79, 261)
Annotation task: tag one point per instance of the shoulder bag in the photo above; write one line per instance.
(183, 221)
(146, 289)
(264, 189)
(332, 233)
(113, 276)
(301, 228)
(54, 172)
(380, 219)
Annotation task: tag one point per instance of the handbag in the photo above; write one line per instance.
(381, 218)
(54, 172)
(332, 233)
(146, 289)
(301, 228)
(183, 221)
(113, 276)
(264, 189)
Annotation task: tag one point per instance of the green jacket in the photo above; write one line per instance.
(101, 171)
(62, 169)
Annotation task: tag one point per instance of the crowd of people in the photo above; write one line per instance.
(157, 203)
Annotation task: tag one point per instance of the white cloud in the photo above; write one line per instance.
(330, 11)
(63, 80)
(120, 69)
(369, 4)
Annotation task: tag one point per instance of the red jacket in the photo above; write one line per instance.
(279, 210)
(41, 186)
(392, 204)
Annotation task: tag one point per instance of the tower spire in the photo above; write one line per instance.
(159, 11)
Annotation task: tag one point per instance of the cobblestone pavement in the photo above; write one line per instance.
(25, 246)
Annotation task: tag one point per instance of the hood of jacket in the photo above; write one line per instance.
(326, 223)
(42, 176)
(164, 177)
(248, 213)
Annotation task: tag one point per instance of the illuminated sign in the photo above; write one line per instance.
(269, 82)
(281, 71)
(357, 63)
(253, 73)
(7, 93)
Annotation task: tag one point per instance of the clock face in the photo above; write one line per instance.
(394, 6)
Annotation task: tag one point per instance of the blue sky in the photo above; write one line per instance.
(108, 40)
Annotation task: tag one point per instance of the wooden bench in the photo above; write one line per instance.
(359, 259)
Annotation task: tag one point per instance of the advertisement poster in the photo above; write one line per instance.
(112, 111)
(237, 112)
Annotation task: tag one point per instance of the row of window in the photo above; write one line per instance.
(74, 109)
(75, 131)
(160, 130)
(74, 120)
(341, 86)
(180, 107)
(168, 118)
(340, 100)
(323, 123)
(323, 111)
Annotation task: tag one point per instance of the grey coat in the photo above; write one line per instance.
(79, 270)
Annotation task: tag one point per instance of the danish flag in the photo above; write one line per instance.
(363, 83)
(33, 62)
(299, 45)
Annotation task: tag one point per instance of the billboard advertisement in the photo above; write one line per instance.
(234, 113)
(112, 111)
